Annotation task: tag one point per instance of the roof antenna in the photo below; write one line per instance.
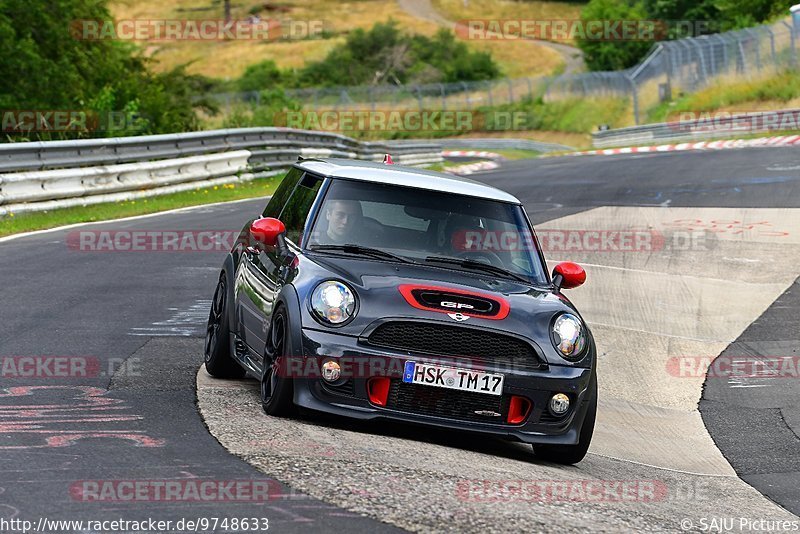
(387, 160)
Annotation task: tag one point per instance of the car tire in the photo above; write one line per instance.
(572, 454)
(218, 357)
(277, 391)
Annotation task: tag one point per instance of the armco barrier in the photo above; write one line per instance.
(698, 129)
(57, 174)
(498, 143)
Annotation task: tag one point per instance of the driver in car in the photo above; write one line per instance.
(343, 217)
(465, 234)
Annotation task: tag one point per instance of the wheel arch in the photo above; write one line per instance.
(229, 268)
(289, 300)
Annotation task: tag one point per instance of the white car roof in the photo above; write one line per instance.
(380, 173)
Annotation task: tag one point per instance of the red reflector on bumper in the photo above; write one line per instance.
(518, 410)
(378, 390)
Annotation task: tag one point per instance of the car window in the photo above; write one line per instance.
(295, 212)
(393, 215)
(417, 224)
(281, 195)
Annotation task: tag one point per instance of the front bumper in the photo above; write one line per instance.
(348, 395)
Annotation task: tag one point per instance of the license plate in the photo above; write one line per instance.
(451, 378)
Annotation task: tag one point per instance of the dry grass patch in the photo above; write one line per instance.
(229, 59)
(456, 10)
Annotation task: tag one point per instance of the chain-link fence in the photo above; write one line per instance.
(684, 65)
(461, 95)
(687, 65)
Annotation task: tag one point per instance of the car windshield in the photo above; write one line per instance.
(442, 229)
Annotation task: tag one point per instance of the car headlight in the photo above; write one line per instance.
(569, 336)
(333, 303)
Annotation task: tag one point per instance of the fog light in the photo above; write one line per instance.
(331, 371)
(559, 404)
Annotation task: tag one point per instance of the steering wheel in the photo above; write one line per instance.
(484, 256)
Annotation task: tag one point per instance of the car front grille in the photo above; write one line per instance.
(457, 342)
(453, 404)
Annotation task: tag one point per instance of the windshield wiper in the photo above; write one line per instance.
(478, 265)
(364, 251)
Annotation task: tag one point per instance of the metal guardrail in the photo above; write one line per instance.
(55, 174)
(503, 143)
(58, 154)
(697, 129)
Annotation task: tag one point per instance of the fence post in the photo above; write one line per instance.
(750, 32)
(444, 98)
(699, 50)
(742, 57)
(724, 52)
(635, 99)
(510, 91)
(489, 93)
(712, 62)
(791, 41)
(466, 93)
(530, 87)
(419, 97)
(772, 47)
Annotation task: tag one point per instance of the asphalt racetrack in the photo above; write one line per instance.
(674, 446)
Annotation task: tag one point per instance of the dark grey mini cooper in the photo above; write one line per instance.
(377, 291)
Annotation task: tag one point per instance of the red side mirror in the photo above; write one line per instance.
(571, 275)
(266, 231)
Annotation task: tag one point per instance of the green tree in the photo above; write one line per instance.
(47, 63)
(261, 76)
(608, 53)
(384, 54)
(743, 13)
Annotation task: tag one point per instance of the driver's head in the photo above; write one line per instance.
(342, 217)
(465, 233)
